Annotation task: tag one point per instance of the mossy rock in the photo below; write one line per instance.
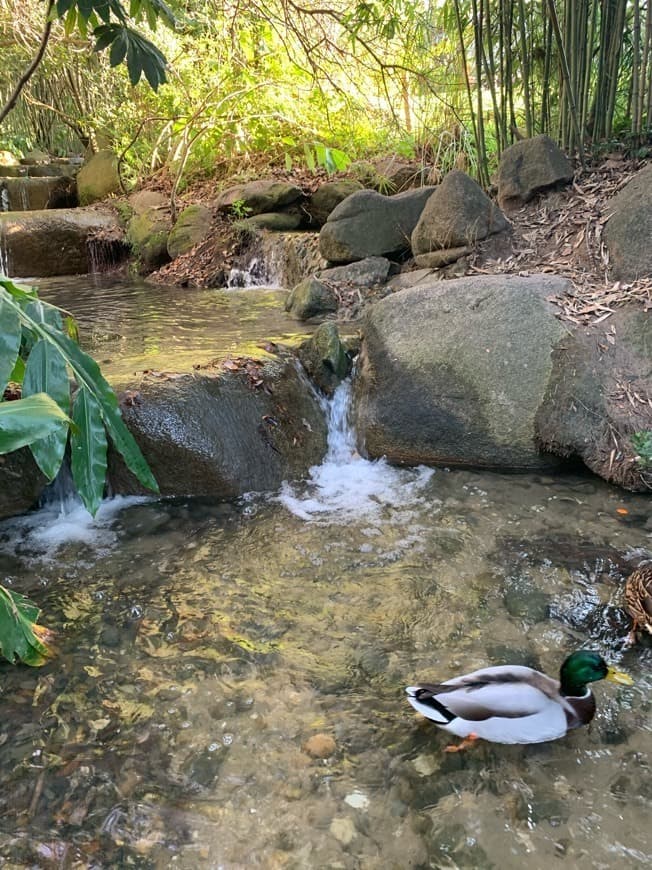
(98, 178)
(148, 236)
(191, 228)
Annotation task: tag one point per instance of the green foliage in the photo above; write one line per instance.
(642, 444)
(332, 159)
(20, 635)
(35, 332)
(436, 80)
(239, 210)
(30, 421)
(109, 21)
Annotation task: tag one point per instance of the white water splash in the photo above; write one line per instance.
(346, 486)
(258, 273)
(61, 522)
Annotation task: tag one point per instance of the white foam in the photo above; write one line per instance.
(42, 533)
(346, 486)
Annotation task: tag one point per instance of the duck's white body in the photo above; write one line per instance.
(505, 704)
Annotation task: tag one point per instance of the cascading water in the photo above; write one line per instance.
(4, 253)
(62, 519)
(346, 485)
(257, 273)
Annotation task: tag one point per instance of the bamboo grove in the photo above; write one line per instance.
(261, 80)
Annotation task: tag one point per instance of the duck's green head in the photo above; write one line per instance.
(585, 666)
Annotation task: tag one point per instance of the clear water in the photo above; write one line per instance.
(202, 645)
(131, 326)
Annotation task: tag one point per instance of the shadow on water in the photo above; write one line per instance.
(228, 689)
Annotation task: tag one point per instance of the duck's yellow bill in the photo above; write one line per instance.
(619, 677)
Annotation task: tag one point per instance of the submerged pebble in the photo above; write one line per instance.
(320, 746)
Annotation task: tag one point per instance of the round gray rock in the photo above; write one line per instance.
(454, 373)
(529, 166)
(628, 233)
(368, 224)
(457, 214)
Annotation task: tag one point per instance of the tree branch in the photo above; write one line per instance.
(29, 72)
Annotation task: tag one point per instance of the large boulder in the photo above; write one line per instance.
(529, 166)
(98, 177)
(328, 196)
(628, 233)
(454, 373)
(224, 432)
(21, 483)
(258, 197)
(192, 226)
(457, 215)
(54, 242)
(147, 234)
(597, 402)
(368, 224)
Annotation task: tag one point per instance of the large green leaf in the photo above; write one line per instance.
(10, 334)
(89, 376)
(20, 636)
(27, 420)
(23, 294)
(46, 372)
(88, 450)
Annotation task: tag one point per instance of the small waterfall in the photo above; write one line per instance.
(105, 254)
(4, 252)
(347, 486)
(24, 195)
(4, 198)
(257, 273)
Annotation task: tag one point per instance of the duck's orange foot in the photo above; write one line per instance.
(465, 744)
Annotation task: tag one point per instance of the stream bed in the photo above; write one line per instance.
(228, 688)
(209, 654)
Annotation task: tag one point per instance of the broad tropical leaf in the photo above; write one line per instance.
(46, 372)
(27, 420)
(88, 450)
(20, 635)
(10, 335)
(88, 375)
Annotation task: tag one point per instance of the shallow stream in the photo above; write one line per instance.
(130, 325)
(229, 685)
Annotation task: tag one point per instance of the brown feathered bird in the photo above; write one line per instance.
(638, 600)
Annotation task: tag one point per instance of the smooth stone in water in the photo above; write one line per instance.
(343, 830)
(320, 746)
(522, 599)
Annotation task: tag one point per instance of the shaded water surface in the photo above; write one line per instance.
(130, 325)
(201, 646)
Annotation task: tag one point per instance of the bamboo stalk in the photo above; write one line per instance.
(566, 74)
(525, 68)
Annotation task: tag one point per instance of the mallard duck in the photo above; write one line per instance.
(638, 600)
(515, 704)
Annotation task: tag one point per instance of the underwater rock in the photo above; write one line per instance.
(320, 746)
